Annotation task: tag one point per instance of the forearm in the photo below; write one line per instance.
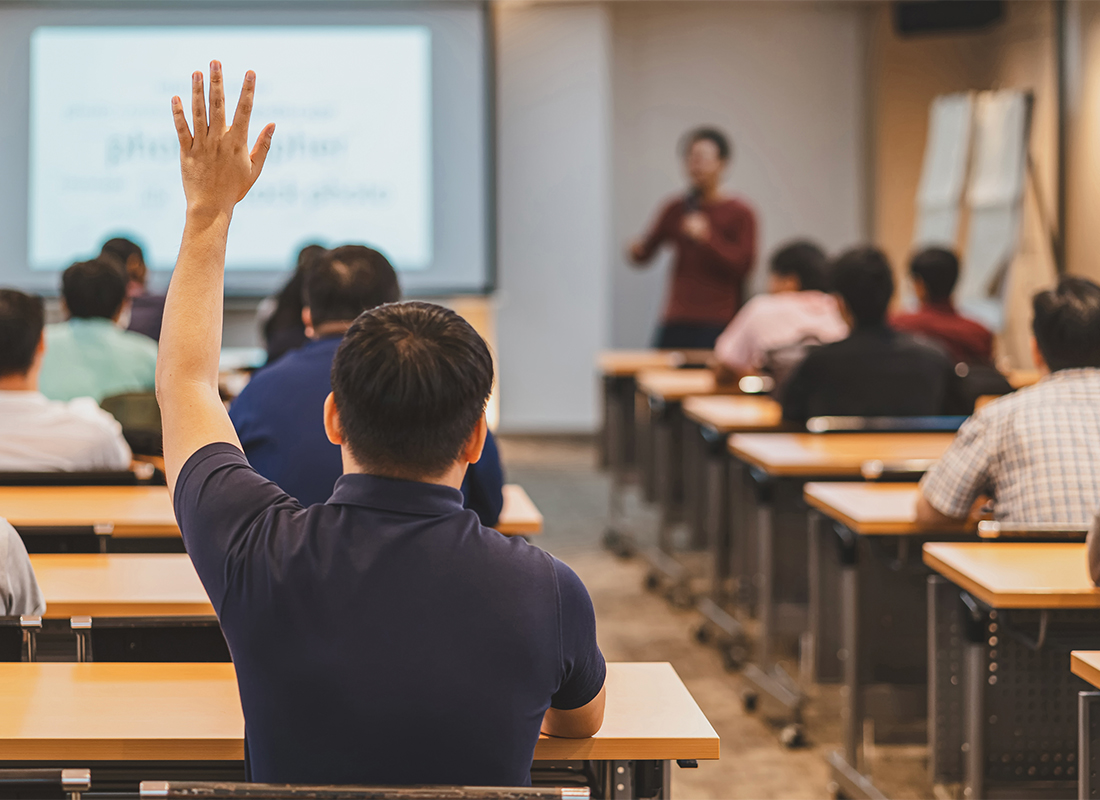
(577, 723)
(929, 515)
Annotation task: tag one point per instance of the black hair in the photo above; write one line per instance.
(1067, 324)
(707, 134)
(938, 269)
(123, 250)
(288, 303)
(346, 281)
(95, 288)
(22, 318)
(410, 382)
(803, 260)
(863, 278)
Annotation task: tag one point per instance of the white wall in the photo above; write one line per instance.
(786, 80)
(553, 211)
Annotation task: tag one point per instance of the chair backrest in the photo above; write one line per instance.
(1070, 532)
(267, 791)
(105, 478)
(15, 632)
(64, 784)
(139, 415)
(908, 470)
(161, 639)
(941, 424)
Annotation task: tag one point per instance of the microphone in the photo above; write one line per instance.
(693, 200)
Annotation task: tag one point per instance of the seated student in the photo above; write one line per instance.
(146, 310)
(89, 355)
(795, 312)
(875, 371)
(278, 416)
(40, 435)
(19, 591)
(934, 272)
(383, 637)
(283, 329)
(1036, 452)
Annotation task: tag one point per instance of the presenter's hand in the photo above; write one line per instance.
(697, 226)
(217, 167)
(636, 251)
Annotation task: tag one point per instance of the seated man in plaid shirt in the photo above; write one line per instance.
(1036, 452)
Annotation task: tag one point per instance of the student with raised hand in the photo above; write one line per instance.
(89, 355)
(384, 637)
(1035, 452)
(278, 416)
(38, 434)
(876, 371)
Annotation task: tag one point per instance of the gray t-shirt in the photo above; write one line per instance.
(19, 592)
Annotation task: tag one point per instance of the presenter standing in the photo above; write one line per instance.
(714, 237)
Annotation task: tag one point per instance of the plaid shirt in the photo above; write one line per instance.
(1035, 452)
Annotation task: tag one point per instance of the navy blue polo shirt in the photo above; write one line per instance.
(385, 636)
(279, 419)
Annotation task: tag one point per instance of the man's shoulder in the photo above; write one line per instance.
(134, 342)
(922, 348)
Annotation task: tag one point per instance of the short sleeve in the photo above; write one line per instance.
(220, 503)
(963, 473)
(736, 348)
(583, 664)
(19, 590)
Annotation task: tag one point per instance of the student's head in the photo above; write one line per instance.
(1067, 324)
(95, 288)
(130, 256)
(798, 267)
(706, 153)
(22, 318)
(341, 284)
(934, 271)
(864, 282)
(409, 387)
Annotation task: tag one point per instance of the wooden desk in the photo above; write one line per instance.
(729, 413)
(673, 385)
(519, 516)
(123, 511)
(119, 585)
(1085, 664)
(620, 363)
(873, 509)
(82, 713)
(833, 454)
(1017, 574)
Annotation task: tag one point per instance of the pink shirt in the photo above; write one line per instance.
(769, 321)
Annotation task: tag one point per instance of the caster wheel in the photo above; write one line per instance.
(749, 701)
(702, 634)
(733, 658)
(618, 543)
(792, 736)
(680, 597)
(652, 581)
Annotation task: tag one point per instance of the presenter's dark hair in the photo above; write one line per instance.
(410, 382)
(1067, 324)
(22, 317)
(803, 260)
(95, 288)
(343, 283)
(863, 278)
(707, 134)
(938, 269)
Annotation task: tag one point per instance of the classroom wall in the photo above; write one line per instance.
(1083, 154)
(786, 80)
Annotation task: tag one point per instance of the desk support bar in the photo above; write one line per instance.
(1088, 744)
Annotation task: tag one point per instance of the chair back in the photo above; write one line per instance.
(141, 474)
(139, 415)
(156, 639)
(63, 784)
(906, 471)
(270, 791)
(1070, 532)
(19, 635)
(937, 424)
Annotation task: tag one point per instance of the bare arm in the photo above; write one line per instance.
(218, 170)
(576, 723)
(929, 516)
(1094, 550)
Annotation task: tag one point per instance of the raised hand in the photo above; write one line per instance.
(218, 168)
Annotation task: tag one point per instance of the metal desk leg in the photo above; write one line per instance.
(638, 780)
(619, 395)
(1088, 744)
(975, 675)
(667, 462)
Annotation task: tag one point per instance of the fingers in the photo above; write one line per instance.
(261, 149)
(180, 119)
(217, 98)
(198, 106)
(244, 108)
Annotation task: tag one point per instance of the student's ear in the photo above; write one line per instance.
(39, 350)
(1037, 357)
(919, 289)
(476, 443)
(845, 313)
(333, 429)
(307, 320)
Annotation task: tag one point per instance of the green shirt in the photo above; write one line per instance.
(96, 358)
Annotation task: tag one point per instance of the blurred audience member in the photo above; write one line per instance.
(40, 435)
(146, 310)
(89, 355)
(284, 330)
(19, 591)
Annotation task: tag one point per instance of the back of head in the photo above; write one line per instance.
(938, 269)
(803, 260)
(22, 317)
(863, 279)
(343, 283)
(410, 382)
(127, 253)
(1067, 324)
(95, 288)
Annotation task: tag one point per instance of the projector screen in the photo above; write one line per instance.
(381, 138)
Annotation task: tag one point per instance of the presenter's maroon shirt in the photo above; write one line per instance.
(708, 277)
